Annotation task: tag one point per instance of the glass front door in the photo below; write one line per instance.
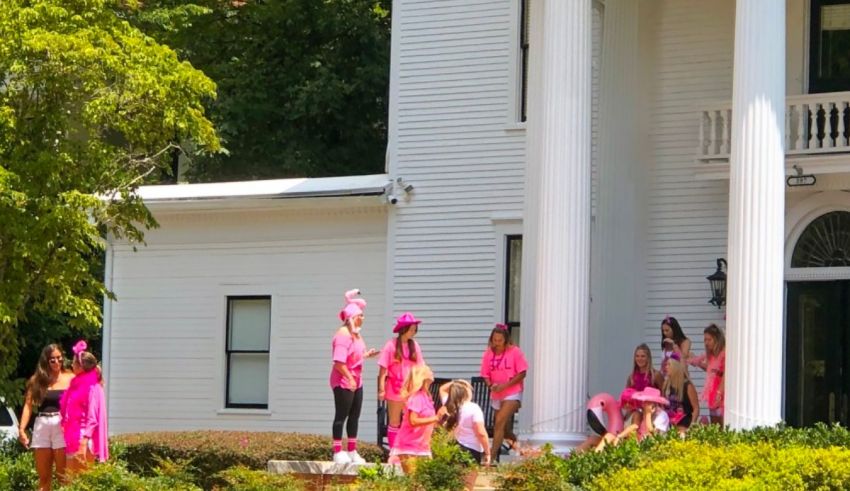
(817, 353)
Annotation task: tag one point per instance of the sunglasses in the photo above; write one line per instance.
(55, 359)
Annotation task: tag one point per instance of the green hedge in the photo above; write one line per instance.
(709, 458)
(211, 452)
(762, 466)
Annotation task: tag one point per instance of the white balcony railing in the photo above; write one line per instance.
(814, 124)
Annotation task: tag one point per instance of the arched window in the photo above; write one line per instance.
(825, 243)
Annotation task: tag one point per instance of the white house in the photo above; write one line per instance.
(607, 209)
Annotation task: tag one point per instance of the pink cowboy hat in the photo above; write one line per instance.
(650, 394)
(405, 320)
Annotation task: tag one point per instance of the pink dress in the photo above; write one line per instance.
(83, 409)
(348, 350)
(500, 368)
(415, 440)
(397, 370)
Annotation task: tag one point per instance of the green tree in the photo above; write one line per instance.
(302, 84)
(89, 107)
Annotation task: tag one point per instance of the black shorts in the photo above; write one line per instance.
(475, 454)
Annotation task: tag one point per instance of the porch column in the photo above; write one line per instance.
(557, 226)
(756, 217)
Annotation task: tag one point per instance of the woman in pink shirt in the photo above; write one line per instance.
(503, 366)
(714, 364)
(83, 410)
(414, 437)
(348, 351)
(397, 357)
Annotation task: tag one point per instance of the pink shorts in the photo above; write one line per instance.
(47, 432)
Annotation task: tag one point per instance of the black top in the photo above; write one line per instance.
(50, 403)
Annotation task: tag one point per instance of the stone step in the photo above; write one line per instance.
(320, 475)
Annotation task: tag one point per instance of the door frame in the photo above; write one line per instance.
(800, 216)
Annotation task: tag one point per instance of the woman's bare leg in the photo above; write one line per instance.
(59, 463)
(44, 468)
(500, 424)
(394, 412)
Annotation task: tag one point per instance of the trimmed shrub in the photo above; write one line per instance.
(692, 465)
(244, 479)
(546, 471)
(709, 458)
(116, 477)
(446, 470)
(211, 452)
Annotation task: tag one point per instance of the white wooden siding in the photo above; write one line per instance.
(691, 46)
(453, 85)
(453, 88)
(166, 369)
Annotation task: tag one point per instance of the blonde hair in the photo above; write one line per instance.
(677, 376)
(415, 380)
(649, 368)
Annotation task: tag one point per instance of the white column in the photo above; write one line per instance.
(558, 226)
(756, 217)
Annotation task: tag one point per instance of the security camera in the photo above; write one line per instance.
(405, 186)
(391, 199)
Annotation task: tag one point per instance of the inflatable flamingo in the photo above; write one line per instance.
(604, 403)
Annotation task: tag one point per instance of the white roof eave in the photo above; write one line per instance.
(321, 187)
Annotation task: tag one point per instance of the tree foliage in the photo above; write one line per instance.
(302, 83)
(89, 106)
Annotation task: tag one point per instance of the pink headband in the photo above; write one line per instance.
(502, 327)
(78, 350)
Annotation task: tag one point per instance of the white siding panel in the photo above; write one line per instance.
(168, 325)
(692, 41)
(453, 85)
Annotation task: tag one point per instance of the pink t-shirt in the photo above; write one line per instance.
(416, 440)
(397, 370)
(346, 349)
(500, 368)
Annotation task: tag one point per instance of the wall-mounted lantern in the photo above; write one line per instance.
(717, 280)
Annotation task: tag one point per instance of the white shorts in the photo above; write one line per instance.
(496, 405)
(47, 432)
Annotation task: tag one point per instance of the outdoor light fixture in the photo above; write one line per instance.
(717, 280)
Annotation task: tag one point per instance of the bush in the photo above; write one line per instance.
(116, 477)
(17, 472)
(211, 452)
(709, 458)
(545, 471)
(244, 479)
(693, 465)
(446, 470)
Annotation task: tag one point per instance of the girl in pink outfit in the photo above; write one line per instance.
(503, 367)
(714, 364)
(348, 352)
(414, 437)
(83, 410)
(397, 357)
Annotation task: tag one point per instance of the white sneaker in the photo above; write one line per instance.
(342, 458)
(356, 458)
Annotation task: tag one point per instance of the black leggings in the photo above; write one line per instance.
(347, 404)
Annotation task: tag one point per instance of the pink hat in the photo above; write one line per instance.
(353, 306)
(405, 320)
(650, 394)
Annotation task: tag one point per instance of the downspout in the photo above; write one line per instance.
(106, 350)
